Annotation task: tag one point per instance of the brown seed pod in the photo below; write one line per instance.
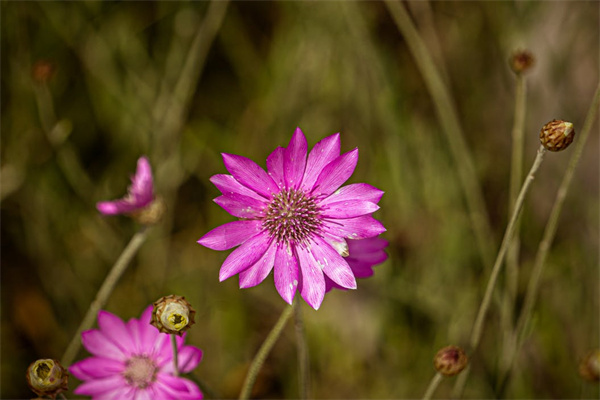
(557, 135)
(450, 360)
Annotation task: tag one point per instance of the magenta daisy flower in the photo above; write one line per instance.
(294, 219)
(133, 361)
(139, 194)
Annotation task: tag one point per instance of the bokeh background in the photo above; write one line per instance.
(88, 87)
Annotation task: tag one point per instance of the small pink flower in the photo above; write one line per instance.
(294, 219)
(139, 194)
(134, 361)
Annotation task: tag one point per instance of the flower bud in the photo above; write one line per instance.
(557, 135)
(152, 213)
(450, 360)
(589, 368)
(173, 314)
(521, 61)
(47, 378)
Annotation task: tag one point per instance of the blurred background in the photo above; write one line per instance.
(88, 87)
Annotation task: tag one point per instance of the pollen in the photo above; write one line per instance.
(292, 216)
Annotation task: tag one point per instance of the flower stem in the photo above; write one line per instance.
(435, 381)
(264, 351)
(485, 303)
(175, 360)
(303, 358)
(104, 293)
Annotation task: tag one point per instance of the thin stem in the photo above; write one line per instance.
(62, 396)
(104, 293)
(175, 358)
(303, 358)
(264, 351)
(435, 381)
(483, 309)
(450, 124)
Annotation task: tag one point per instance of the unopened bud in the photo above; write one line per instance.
(557, 135)
(152, 213)
(47, 378)
(521, 61)
(450, 360)
(589, 368)
(173, 314)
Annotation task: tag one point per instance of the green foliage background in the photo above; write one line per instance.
(182, 82)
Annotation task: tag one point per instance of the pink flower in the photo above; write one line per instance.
(295, 219)
(134, 361)
(363, 256)
(139, 194)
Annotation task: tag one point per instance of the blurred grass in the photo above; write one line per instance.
(326, 67)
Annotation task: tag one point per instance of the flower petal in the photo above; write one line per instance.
(275, 167)
(349, 209)
(312, 287)
(366, 246)
(227, 184)
(177, 388)
(231, 234)
(96, 368)
(336, 173)
(142, 186)
(294, 161)
(241, 206)
(244, 256)
(188, 358)
(98, 387)
(322, 154)
(355, 191)
(260, 270)
(286, 272)
(99, 345)
(332, 264)
(354, 228)
(115, 330)
(117, 206)
(250, 174)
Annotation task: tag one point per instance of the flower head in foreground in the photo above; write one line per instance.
(133, 361)
(294, 219)
(47, 378)
(139, 200)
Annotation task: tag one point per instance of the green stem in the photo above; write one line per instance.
(435, 381)
(104, 293)
(175, 358)
(485, 303)
(303, 358)
(264, 351)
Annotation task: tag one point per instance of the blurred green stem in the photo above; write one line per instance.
(264, 351)
(175, 355)
(448, 117)
(549, 232)
(485, 303)
(104, 293)
(435, 381)
(303, 358)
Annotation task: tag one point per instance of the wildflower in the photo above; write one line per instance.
(450, 360)
(134, 361)
(363, 255)
(172, 314)
(557, 135)
(295, 219)
(139, 201)
(47, 378)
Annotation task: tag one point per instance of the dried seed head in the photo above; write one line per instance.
(152, 213)
(521, 61)
(173, 314)
(589, 368)
(557, 135)
(47, 378)
(450, 360)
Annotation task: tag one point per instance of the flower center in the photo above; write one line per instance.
(140, 371)
(292, 216)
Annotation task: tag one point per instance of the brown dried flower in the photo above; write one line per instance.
(521, 61)
(450, 360)
(47, 377)
(172, 314)
(557, 135)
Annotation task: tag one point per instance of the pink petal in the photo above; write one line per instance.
(332, 264)
(96, 367)
(249, 174)
(367, 245)
(177, 388)
(355, 191)
(99, 345)
(286, 272)
(115, 330)
(148, 334)
(149, 393)
(244, 256)
(188, 358)
(294, 160)
(142, 186)
(227, 184)
(117, 207)
(354, 228)
(349, 209)
(322, 154)
(98, 387)
(231, 234)
(312, 287)
(275, 166)
(241, 206)
(260, 270)
(336, 173)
